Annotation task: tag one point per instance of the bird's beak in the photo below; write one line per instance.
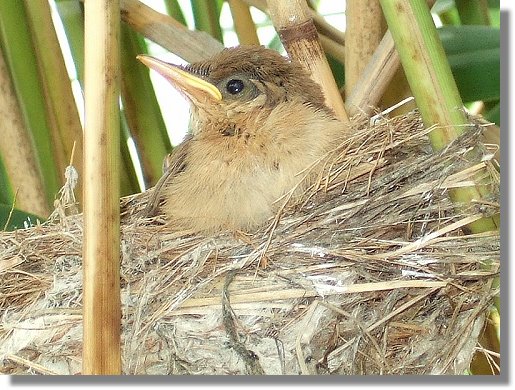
(194, 87)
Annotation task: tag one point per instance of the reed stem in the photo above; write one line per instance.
(433, 86)
(101, 250)
(365, 29)
(294, 24)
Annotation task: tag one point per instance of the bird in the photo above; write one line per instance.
(258, 126)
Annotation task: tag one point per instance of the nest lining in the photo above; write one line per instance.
(368, 273)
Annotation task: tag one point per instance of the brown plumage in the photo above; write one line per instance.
(257, 122)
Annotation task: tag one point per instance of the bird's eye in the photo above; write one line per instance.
(234, 86)
(237, 87)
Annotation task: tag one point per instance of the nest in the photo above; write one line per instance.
(370, 273)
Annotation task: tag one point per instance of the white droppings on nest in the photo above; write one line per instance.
(314, 250)
(327, 285)
(416, 274)
(413, 258)
(370, 275)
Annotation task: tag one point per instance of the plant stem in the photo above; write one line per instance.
(17, 153)
(473, 12)
(17, 46)
(65, 129)
(101, 250)
(174, 10)
(426, 67)
(141, 109)
(206, 15)
(365, 29)
(294, 24)
(190, 45)
(243, 23)
(375, 78)
(430, 78)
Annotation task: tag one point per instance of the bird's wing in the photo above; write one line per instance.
(173, 164)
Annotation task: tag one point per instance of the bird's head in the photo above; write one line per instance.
(237, 84)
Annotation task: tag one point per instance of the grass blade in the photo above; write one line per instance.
(141, 109)
(60, 104)
(19, 160)
(19, 56)
(206, 15)
(174, 10)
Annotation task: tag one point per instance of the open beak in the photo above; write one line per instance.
(194, 87)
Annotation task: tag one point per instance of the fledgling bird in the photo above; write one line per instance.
(258, 122)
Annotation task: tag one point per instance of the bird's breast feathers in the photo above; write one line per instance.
(239, 179)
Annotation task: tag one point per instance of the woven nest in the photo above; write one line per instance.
(369, 274)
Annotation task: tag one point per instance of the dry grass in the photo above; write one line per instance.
(369, 274)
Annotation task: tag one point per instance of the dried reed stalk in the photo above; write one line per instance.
(492, 136)
(15, 148)
(374, 78)
(321, 24)
(243, 23)
(327, 29)
(101, 251)
(381, 80)
(295, 27)
(335, 49)
(365, 29)
(190, 45)
(331, 39)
